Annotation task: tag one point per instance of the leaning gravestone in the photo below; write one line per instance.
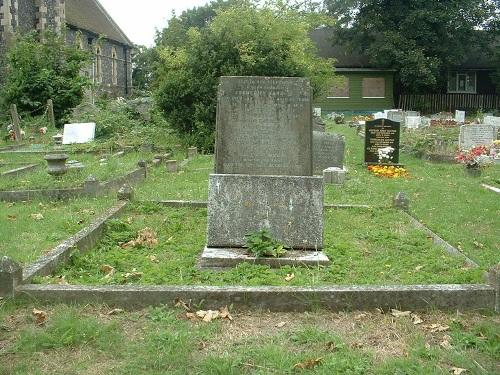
(476, 135)
(381, 134)
(328, 151)
(264, 171)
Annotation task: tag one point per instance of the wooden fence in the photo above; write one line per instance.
(432, 103)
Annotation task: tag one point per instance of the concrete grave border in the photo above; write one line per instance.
(20, 170)
(91, 189)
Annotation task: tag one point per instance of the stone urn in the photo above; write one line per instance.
(473, 171)
(58, 139)
(56, 164)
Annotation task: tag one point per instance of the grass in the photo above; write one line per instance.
(24, 238)
(39, 179)
(86, 340)
(366, 247)
(447, 201)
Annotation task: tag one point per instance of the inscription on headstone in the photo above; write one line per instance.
(328, 151)
(264, 126)
(476, 135)
(381, 134)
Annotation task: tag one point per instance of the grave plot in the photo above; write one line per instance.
(155, 245)
(30, 229)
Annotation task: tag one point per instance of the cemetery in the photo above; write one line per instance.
(244, 227)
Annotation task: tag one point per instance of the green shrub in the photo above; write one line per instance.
(41, 70)
(261, 244)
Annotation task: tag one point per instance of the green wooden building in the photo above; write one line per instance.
(360, 87)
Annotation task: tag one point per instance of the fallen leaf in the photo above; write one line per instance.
(190, 316)
(399, 314)
(280, 325)
(180, 303)
(80, 222)
(61, 280)
(115, 312)
(416, 319)
(202, 345)
(309, 364)
(224, 313)
(289, 277)
(458, 370)
(146, 237)
(433, 328)
(107, 270)
(357, 345)
(478, 244)
(40, 316)
(331, 346)
(360, 316)
(12, 217)
(418, 268)
(153, 259)
(445, 344)
(133, 275)
(37, 217)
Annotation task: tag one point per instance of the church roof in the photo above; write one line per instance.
(90, 15)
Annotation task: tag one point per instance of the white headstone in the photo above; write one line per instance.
(460, 116)
(78, 133)
(476, 135)
(378, 115)
(413, 122)
(317, 112)
(491, 120)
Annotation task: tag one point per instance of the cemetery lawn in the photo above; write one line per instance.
(376, 246)
(39, 179)
(30, 229)
(89, 340)
(451, 204)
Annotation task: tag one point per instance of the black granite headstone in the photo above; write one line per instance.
(379, 134)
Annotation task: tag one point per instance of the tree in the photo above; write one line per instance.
(38, 70)
(241, 40)
(144, 61)
(421, 39)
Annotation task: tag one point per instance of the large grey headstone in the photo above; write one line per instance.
(328, 151)
(291, 208)
(476, 135)
(264, 126)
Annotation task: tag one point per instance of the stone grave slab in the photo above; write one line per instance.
(476, 135)
(264, 126)
(290, 207)
(380, 134)
(328, 151)
(78, 133)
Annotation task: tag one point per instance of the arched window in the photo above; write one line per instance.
(114, 66)
(98, 64)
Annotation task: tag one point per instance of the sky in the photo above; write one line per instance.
(139, 19)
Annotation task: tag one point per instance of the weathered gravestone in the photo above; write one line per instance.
(476, 135)
(382, 134)
(397, 116)
(328, 151)
(460, 116)
(263, 176)
(492, 120)
(264, 126)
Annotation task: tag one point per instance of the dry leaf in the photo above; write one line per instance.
(202, 345)
(280, 325)
(289, 277)
(445, 344)
(145, 237)
(133, 275)
(190, 316)
(153, 259)
(433, 328)
(12, 217)
(180, 303)
(357, 345)
(309, 364)
(108, 270)
(360, 316)
(331, 346)
(458, 370)
(224, 313)
(115, 311)
(416, 319)
(40, 316)
(399, 314)
(61, 280)
(418, 268)
(37, 217)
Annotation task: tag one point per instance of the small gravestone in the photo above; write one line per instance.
(460, 116)
(476, 135)
(397, 116)
(328, 151)
(318, 124)
(413, 122)
(264, 126)
(171, 166)
(78, 133)
(492, 120)
(380, 135)
(334, 176)
(317, 112)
